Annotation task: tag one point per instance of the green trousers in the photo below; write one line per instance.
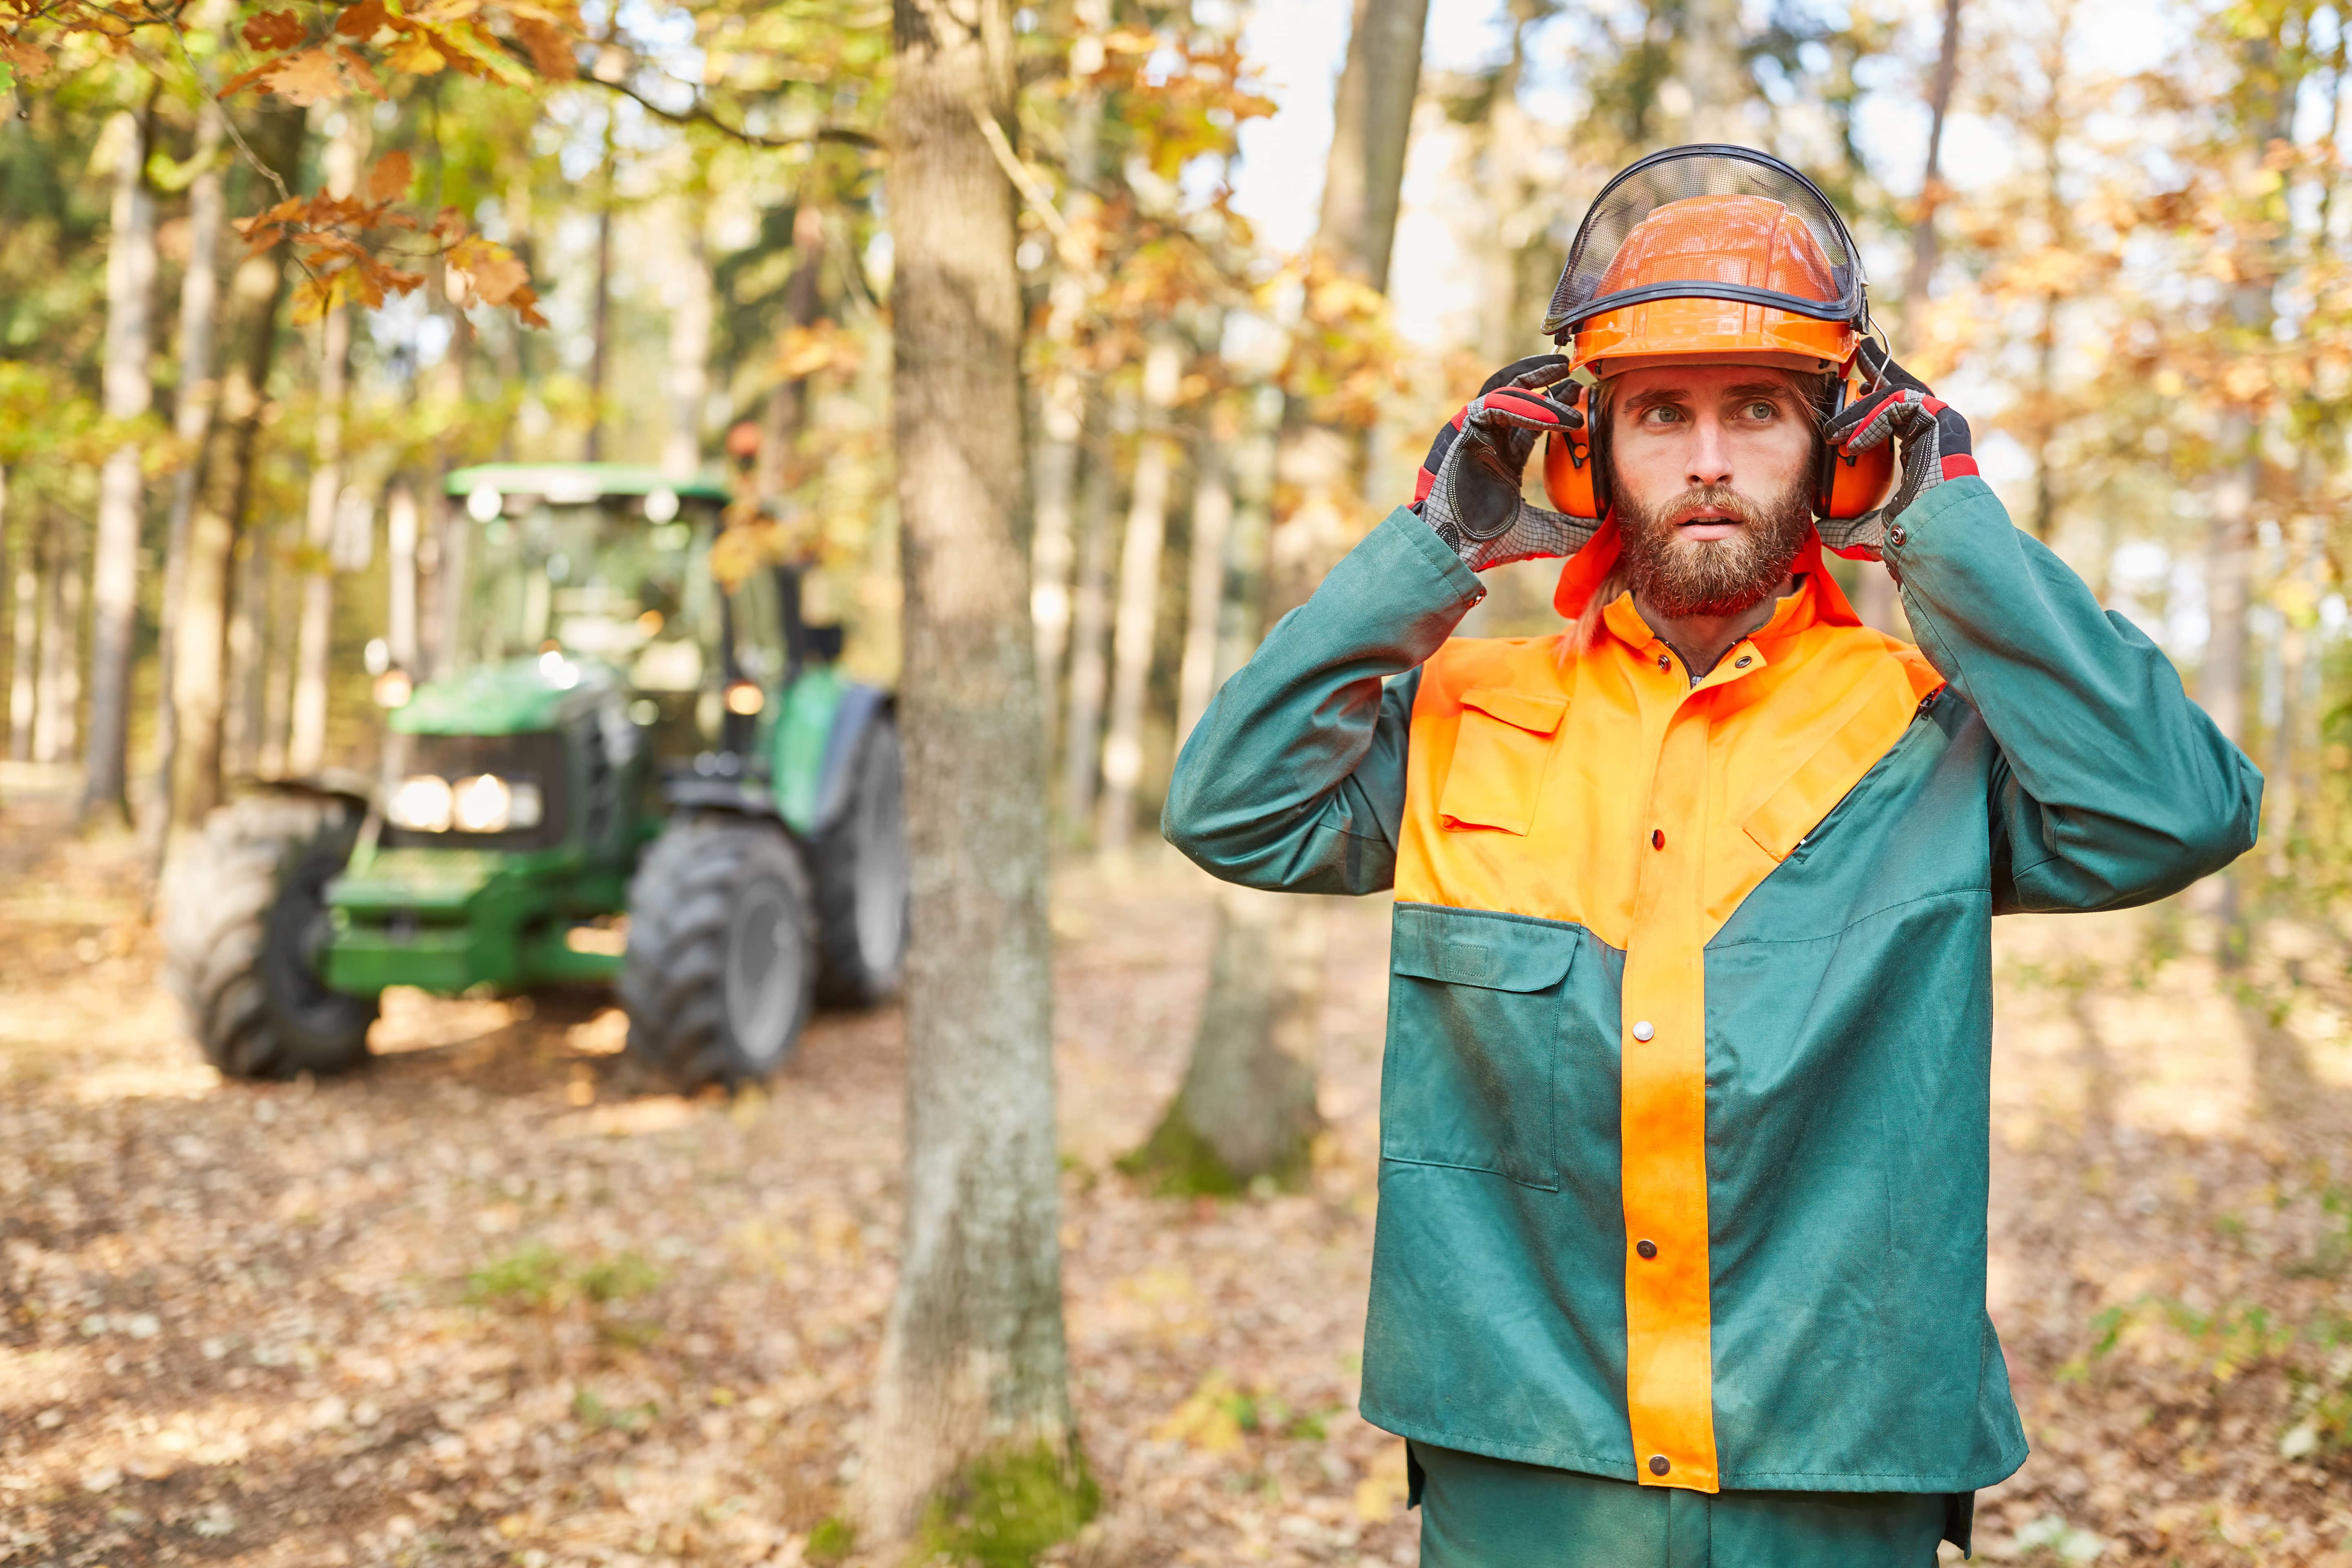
(1477, 1512)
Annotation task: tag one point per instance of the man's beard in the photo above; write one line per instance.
(1678, 576)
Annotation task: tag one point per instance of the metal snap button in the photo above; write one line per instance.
(1646, 1249)
(1657, 838)
(1741, 662)
(1896, 535)
(1641, 1031)
(1659, 1465)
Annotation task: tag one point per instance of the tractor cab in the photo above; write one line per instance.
(632, 763)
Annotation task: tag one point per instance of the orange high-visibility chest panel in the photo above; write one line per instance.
(1607, 791)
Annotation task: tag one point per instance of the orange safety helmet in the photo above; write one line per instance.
(1714, 254)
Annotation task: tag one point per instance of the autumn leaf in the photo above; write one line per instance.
(27, 60)
(308, 77)
(550, 47)
(361, 73)
(363, 20)
(390, 179)
(273, 30)
(411, 53)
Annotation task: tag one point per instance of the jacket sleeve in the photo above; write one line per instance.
(2112, 787)
(1294, 779)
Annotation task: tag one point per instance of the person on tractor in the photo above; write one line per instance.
(1685, 1112)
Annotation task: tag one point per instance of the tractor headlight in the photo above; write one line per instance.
(420, 803)
(488, 803)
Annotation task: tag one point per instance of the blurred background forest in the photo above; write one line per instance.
(2111, 231)
(268, 276)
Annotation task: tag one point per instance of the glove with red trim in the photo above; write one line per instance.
(1469, 485)
(1934, 443)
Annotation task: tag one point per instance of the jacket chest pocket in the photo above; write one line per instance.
(1476, 1006)
(1499, 751)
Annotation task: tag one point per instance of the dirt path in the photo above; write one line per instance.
(475, 1305)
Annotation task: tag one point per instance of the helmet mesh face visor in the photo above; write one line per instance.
(1710, 222)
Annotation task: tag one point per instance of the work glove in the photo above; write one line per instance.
(1934, 445)
(1469, 485)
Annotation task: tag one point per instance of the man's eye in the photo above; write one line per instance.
(1762, 410)
(1661, 416)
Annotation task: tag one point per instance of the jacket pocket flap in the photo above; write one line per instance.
(1522, 710)
(1462, 947)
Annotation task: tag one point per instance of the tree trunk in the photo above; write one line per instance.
(192, 417)
(276, 554)
(1253, 1060)
(400, 542)
(787, 408)
(1923, 250)
(214, 639)
(1712, 70)
(973, 1379)
(24, 634)
(121, 490)
(690, 308)
(1138, 595)
(1371, 125)
(306, 746)
(1090, 621)
(1204, 589)
(1069, 391)
(600, 309)
(58, 710)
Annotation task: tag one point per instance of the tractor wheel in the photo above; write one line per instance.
(861, 878)
(245, 919)
(720, 960)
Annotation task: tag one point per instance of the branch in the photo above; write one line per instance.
(702, 114)
(1040, 200)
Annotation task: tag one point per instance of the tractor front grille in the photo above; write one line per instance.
(536, 757)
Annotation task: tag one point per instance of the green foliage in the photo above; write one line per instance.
(537, 1277)
(831, 1539)
(590, 1410)
(1001, 1513)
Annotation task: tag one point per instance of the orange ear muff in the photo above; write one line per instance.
(1848, 484)
(1575, 472)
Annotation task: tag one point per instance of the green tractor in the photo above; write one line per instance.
(628, 770)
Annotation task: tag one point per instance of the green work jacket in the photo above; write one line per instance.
(1685, 1113)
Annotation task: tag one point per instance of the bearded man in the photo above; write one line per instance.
(1685, 1112)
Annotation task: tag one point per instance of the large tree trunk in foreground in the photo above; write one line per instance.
(192, 417)
(1138, 595)
(972, 1407)
(1247, 1104)
(201, 674)
(122, 490)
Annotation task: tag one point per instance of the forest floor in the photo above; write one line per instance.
(478, 1305)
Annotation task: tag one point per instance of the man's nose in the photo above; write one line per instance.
(1710, 454)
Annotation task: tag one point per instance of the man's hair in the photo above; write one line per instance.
(1812, 389)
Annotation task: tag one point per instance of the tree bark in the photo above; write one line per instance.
(127, 394)
(1139, 594)
(192, 417)
(1090, 621)
(1712, 71)
(1924, 247)
(1250, 1087)
(600, 309)
(306, 743)
(1371, 125)
(400, 539)
(974, 1366)
(57, 703)
(25, 633)
(1204, 589)
(215, 639)
(787, 408)
(1069, 389)
(691, 309)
